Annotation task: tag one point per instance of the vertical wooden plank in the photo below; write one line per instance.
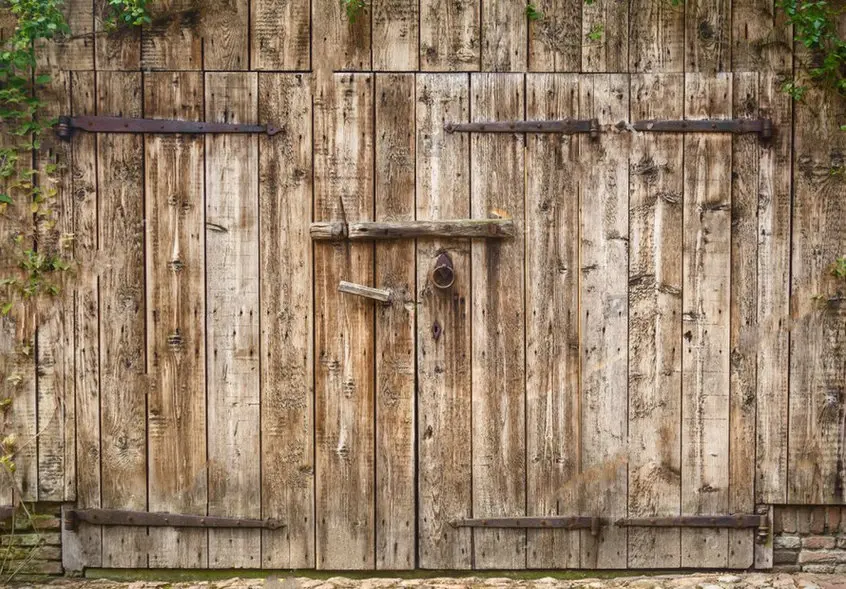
(604, 231)
(774, 210)
(232, 317)
(605, 36)
(656, 44)
(705, 305)
(76, 51)
(226, 35)
(395, 34)
(707, 35)
(113, 50)
(395, 368)
(337, 42)
(87, 310)
(656, 186)
(498, 323)
(504, 47)
(280, 35)
(554, 39)
(552, 321)
(174, 40)
(287, 360)
(55, 349)
(123, 384)
(449, 35)
(817, 456)
(176, 319)
(761, 38)
(443, 328)
(344, 377)
(743, 341)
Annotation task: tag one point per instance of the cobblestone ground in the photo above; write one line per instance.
(692, 581)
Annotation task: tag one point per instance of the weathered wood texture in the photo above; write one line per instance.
(122, 316)
(395, 346)
(443, 328)
(653, 331)
(344, 339)
(603, 317)
(552, 322)
(706, 321)
(287, 322)
(176, 324)
(498, 324)
(818, 310)
(232, 319)
(656, 168)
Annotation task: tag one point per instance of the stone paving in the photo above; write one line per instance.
(690, 581)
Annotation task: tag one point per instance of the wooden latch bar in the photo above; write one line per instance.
(102, 124)
(370, 230)
(763, 127)
(577, 522)
(368, 292)
(120, 517)
(560, 126)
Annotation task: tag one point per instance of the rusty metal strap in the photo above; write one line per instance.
(566, 523)
(102, 124)
(560, 126)
(762, 127)
(120, 517)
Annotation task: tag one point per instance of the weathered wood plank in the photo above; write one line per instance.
(443, 328)
(395, 34)
(232, 317)
(55, 338)
(344, 342)
(174, 40)
(605, 36)
(707, 36)
(76, 51)
(604, 230)
(761, 38)
(555, 39)
(498, 324)
(817, 457)
(287, 361)
(176, 320)
(449, 35)
(280, 35)
(226, 35)
(395, 352)
(113, 50)
(656, 186)
(743, 342)
(338, 43)
(87, 331)
(504, 47)
(656, 44)
(552, 321)
(370, 230)
(706, 329)
(123, 384)
(773, 311)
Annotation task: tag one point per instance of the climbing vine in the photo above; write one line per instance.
(815, 26)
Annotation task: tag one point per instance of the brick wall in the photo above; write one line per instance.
(809, 538)
(32, 547)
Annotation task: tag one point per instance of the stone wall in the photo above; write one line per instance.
(31, 545)
(809, 538)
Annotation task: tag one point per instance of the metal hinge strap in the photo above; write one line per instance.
(561, 126)
(763, 127)
(760, 522)
(102, 124)
(565, 523)
(120, 517)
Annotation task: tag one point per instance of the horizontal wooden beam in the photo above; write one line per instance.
(369, 230)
